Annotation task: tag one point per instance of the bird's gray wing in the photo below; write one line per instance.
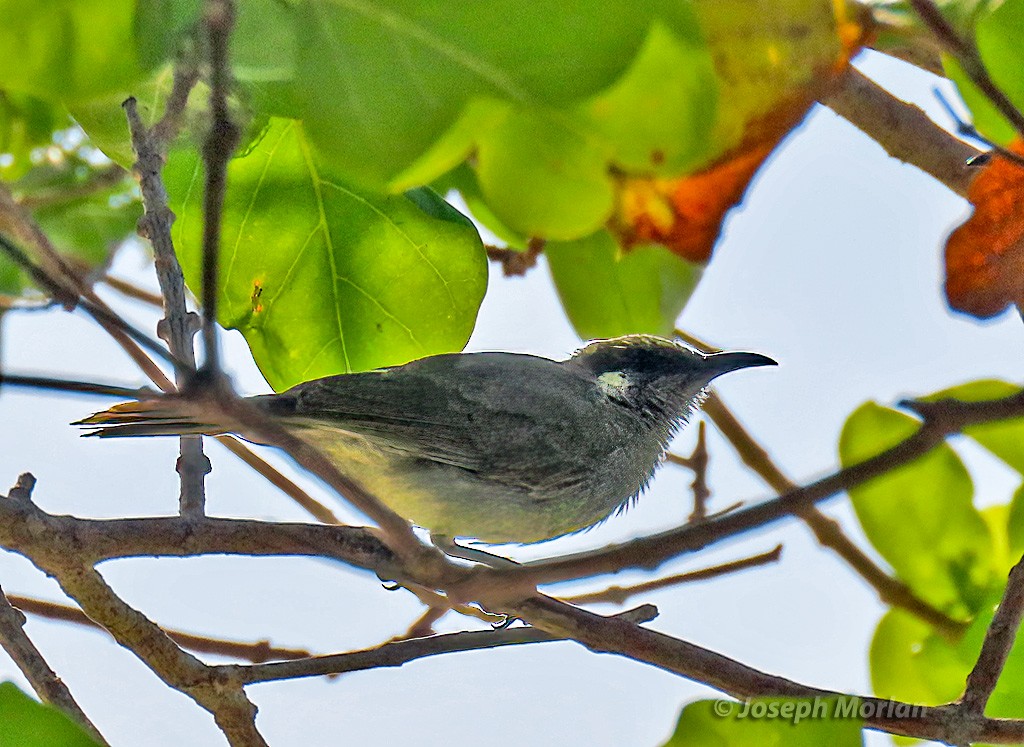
(515, 418)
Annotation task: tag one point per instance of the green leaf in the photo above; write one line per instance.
(264, 42)
(658, 118)
(25, 722)
(1000, 39)
(85, 225)
(321, 278)
(998, 29)
(1006, 698)
(911, 663)
(1004, 438)
(769, 722)
(1015, 525)
(543, 178)
(379, 83)
(984, 115)
(920, 517)
(68, 49)
(159, 25)
(463, 179)
(607, 292)
(103, 118)
(26, 122)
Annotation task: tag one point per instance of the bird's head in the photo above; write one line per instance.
(656, 376)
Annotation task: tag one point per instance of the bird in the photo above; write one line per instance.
(493, 446)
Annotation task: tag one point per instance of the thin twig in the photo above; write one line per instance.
(225, 700)
(316, 509)
(999, 639)
(55, 275)
(131, 290)
(397, 653)
(221, 141)
(514, 262)
(77, 387)
(610, 635)
(257, 652)
(95, 309)
(826, 530)
(941, 419)
(185, 77)
(622, 594)
(15, 641)
(966, 53)
(48, 686)
(966, 129)
(178, 325)
(697, 463)
(99, 180)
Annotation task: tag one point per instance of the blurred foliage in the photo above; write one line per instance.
(25, 722)
(769, 722)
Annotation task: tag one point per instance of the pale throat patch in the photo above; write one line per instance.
(613, 383)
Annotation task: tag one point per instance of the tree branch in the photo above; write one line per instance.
(220, 144)
(257, 652)
(178, 325)
(621, 594)
(610, 635)
(903, 130)
(225, 700)
(397, 653)
(48, 686)
(941, 420)
(826, 530)
(967, 55)
(999, 639)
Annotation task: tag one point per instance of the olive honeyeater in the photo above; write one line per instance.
(501, 447)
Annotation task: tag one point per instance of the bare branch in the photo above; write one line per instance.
(257, 652)
(133, 291)
(611, 635)
(967, 55)
(224, 699)
(78, 387)
(903, 130)
(178, 325)
(621, 594)
(697, 462)
(55, 276)
(826, 530)
(514, 262)
(316, 509)
(48, 686)
(185, 77)
(95, 308)
(999, 639)
(397, 653)
(221, 141)
(943, 419)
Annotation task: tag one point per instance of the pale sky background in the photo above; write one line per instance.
(832, 266)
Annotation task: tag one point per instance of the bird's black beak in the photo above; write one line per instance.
(721, 363)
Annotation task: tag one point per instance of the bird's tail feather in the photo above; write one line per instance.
(157, 417)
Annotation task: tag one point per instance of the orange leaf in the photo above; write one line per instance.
(684, 214)
(985, 255)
